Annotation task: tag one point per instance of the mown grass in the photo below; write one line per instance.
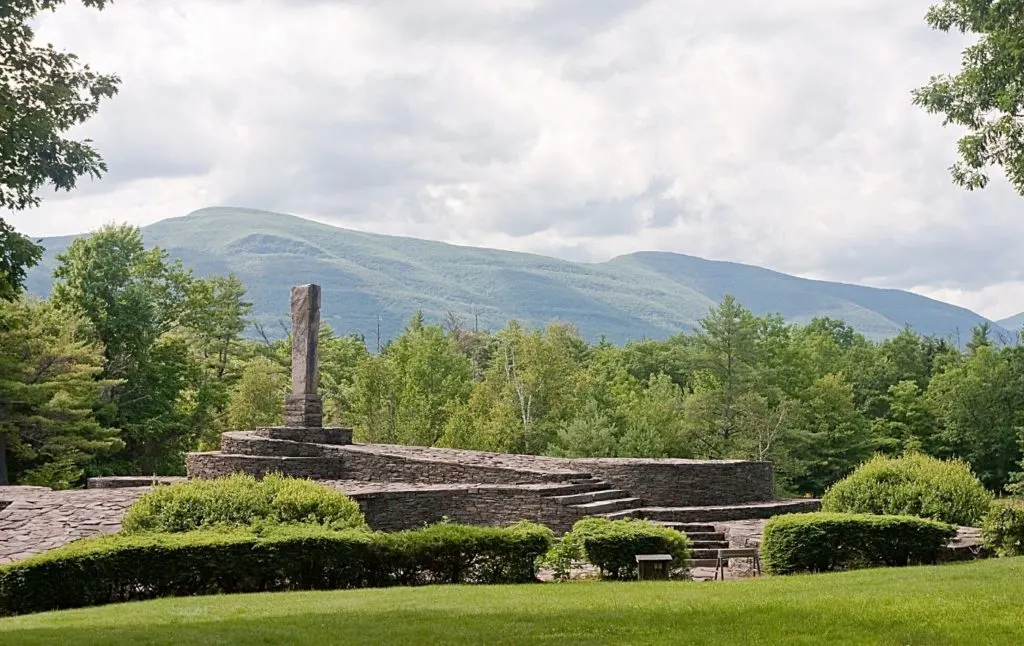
(974, 603)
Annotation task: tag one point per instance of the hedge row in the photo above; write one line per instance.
(824, 542)
(612, 546)
(120, 568)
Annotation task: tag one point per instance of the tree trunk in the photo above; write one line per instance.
(3, 459)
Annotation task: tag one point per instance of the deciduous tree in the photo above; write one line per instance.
(987, 96)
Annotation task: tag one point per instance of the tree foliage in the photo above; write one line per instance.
(45, 93)
(987, 96)
(50, 369)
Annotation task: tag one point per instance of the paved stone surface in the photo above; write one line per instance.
(41, 520)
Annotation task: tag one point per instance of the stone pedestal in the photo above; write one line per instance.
(303, 411)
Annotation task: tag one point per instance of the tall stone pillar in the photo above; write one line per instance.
(303, 407)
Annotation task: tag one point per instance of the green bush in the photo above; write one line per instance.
(612, 545)
(825, 542)
(1003, 527)
(913, 485)
(119, 568)
(241, 501)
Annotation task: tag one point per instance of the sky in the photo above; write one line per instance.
(779, 134)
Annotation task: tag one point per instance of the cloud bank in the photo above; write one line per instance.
(779, 134)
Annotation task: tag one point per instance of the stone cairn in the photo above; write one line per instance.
(303, 408)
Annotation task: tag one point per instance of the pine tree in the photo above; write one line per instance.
(48, 390)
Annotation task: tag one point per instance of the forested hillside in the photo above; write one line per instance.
(135, 360)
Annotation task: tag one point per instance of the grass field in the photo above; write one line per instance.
(976, 603)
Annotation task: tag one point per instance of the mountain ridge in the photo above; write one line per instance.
(648, 294)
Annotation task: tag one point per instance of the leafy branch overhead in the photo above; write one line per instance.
(44, 93)
(987, 96)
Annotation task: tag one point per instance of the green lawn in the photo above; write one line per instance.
(976, 603)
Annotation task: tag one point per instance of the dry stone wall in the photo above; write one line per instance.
(682, 483)
(477, 505)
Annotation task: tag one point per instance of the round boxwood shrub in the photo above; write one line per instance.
(914, 485)
(612, 546)
(241, 501)
(1003, 528)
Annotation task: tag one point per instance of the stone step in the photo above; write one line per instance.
(720, 512)
(709, 545)
(216, 463)
(706, 553)
(686, 528)
(604, 507)
(331, 436)
(568, 489)
(590, 496)
(249, 443)
(705, 536)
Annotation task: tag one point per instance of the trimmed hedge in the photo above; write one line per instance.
(612, 545)
(241, 500)
(1003, 528)
(118, 568)
(826, 542)
(913, 485)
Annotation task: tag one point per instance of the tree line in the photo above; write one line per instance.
(134, 361)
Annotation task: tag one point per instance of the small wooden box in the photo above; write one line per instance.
(653, 567)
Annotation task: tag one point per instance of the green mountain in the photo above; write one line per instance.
(368, 278)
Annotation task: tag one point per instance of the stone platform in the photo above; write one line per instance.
(400, 487)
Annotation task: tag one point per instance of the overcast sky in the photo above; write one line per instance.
(772, 133)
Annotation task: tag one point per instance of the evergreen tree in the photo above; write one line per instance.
(48, 388)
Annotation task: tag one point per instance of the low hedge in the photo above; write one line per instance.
(120, 568)
(612, 546)
(1003, 527)
(241, 500)
(825, 542)
(914, 485)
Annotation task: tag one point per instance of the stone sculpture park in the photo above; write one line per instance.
(718, 503)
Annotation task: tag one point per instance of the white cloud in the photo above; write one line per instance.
(779, 134)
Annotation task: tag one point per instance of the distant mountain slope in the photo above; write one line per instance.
(1013, 323)
(367, 275)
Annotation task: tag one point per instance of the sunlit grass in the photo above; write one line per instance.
(975, 603)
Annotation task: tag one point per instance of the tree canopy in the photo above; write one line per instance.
(987, 96)
(44, 92)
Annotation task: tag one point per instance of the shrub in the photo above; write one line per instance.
(914, 485)
(824, 542)
(241, 501)
(612, 545)
(119, 568)
(1003, 527)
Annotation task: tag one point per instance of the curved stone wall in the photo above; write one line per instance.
(656, 482)
(682, 483)
(394, 510)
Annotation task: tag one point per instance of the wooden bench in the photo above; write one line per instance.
(736, 553)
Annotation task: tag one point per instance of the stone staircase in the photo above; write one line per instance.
(596, 497)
